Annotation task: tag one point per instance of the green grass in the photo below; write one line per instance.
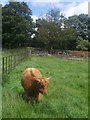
(67, 94)
(7, 52)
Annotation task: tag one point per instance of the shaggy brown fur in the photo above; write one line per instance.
(34, 83)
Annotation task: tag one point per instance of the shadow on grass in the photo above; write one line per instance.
(24, 96)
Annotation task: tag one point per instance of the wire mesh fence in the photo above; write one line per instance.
(11, 61)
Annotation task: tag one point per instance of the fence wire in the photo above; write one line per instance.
(11, 61)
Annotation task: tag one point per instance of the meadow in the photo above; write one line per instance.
(67, 94)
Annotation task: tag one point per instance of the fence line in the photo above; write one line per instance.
(11, 61)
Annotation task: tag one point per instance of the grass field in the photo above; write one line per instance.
(67, 94)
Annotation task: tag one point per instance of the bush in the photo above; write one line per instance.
(83, 44)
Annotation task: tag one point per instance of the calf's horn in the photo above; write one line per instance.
(49, 78)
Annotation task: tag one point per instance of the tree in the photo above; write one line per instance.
(53, 37)
(80, 24)
(16, 25)
(89, 29)
(48, 32)
(82, 44)
(53, 15)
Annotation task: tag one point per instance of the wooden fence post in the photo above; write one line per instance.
(6, 70)
(10, 62)
(3, 65)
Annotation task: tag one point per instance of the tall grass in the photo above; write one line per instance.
(67, 94)
(7, 52)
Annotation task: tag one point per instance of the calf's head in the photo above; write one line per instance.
(43, 85)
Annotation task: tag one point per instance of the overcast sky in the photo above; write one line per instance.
(68, 7)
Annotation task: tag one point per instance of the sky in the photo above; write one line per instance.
(67, 7)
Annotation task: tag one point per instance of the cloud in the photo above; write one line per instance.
(82, 8)
(3, 2)
(73, 0)
(34, 17)
(49, 4)
(75, 8)
(40, 4)
(89, 8)
(59, 5)
(67, 8)
(43, 1)
(51, 1)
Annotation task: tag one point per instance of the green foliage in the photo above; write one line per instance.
(67, 39)
(67, 94)
(48, 33)
(53, 32)
(17, 24)
(80, 24)
(83, 44)
(52, 36)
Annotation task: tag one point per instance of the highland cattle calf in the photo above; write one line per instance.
(34, 83)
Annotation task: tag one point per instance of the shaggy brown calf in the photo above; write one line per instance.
(34, 83)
